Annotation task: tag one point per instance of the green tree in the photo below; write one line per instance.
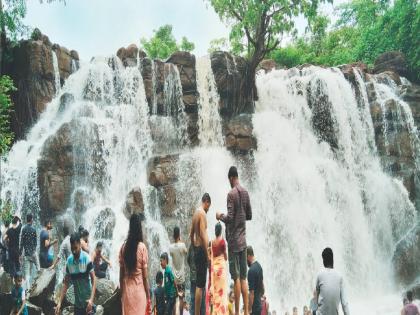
(256, 26)
(6, 136)
(218, 44)
(163, 43)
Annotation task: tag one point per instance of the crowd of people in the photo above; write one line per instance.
(209, 263)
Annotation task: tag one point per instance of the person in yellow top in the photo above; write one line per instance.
(230, 304)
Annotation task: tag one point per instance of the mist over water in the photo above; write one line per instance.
(305, 195)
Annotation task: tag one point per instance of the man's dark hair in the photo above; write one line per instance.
(99, 244)
(29, 218)
(218, 229)
(165, 256)
(47, 221)
(233, 172)
(328, 258)
(159, 277)
(206, 198)
(84, 233)
(250, 251)
(410, 296)
(15, 219)
(18, 275)
(80, 229)
(177, 233)
(7, 224)
(74, 238)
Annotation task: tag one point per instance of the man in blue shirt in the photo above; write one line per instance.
(45, 247)
(255, 282)
(79, 271)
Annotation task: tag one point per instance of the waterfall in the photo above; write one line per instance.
(210, 125)
(311, 197)
(311, 184)
(57, 83)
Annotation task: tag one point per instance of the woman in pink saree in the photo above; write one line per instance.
(135, 293)
(218, 276)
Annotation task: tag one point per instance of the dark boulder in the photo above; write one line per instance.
(239, 136)
(6, 282)
(406, 257)
(112, 306)
(162, 170)
(42, 290)
(394, 61)
(65, 101)
(130, 55)
(230, 73)
(31, 68)
(104, 290)
(134, 203)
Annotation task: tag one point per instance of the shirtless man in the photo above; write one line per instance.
(200, 240)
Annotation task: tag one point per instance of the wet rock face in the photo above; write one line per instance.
(230, 73)
(406, 257)
(104, 224)
(32, 71)
(62, 160)
(41, 293)
(134, 203)
(239, 136)
(130, 55)
(322, 119)
(391, 61)
(161, 170)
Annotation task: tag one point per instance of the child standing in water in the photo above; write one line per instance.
(170, 290)
(18, 296)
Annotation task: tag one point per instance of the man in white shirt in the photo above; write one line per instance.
(330, 288)
(178, 252)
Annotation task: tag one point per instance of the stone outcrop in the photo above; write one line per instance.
(130, 55)
(239, 136)
(406, 257)
(134, 203)
(112, 306)
(31, 68)
(59, 165)
(267, 65)
(41, 293)
(394, 61)
(230, 73)
(161, 170)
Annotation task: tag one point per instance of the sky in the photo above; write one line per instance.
(101, 27)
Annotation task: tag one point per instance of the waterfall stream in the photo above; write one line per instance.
(305, 195)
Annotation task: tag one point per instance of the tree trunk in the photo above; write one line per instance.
(2, 39)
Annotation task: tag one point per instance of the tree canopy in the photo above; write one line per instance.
(163, 43)
(364, 30)
(6, 136)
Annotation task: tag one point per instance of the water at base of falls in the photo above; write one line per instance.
(305, 196)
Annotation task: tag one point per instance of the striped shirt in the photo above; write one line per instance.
(78, 272)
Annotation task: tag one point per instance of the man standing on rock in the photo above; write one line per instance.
(330, 288)
(28, 240)
(12, 238)
(178, 252)
(46, 256)
(79, 271)
(200, 241)
(256, 282)
(238, 212)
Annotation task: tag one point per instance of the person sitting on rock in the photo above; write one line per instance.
(79, 271)
(100, 262)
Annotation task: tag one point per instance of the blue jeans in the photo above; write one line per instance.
(192, 303)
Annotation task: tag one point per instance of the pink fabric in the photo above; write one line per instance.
(133, 297)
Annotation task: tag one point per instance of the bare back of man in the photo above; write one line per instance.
(200, 240)
(199, 235)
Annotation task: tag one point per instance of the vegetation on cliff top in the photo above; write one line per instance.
(163, 43)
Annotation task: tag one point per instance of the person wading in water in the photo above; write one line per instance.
(200, 239)
(238, 212)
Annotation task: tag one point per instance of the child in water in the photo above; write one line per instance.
(159, 293)
(18, 296)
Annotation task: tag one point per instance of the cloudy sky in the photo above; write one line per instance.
(100, 27)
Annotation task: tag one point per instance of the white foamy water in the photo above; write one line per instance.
(305, 196)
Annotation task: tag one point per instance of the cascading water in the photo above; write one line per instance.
(305, 195)
(310, 197)
(56, 73)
